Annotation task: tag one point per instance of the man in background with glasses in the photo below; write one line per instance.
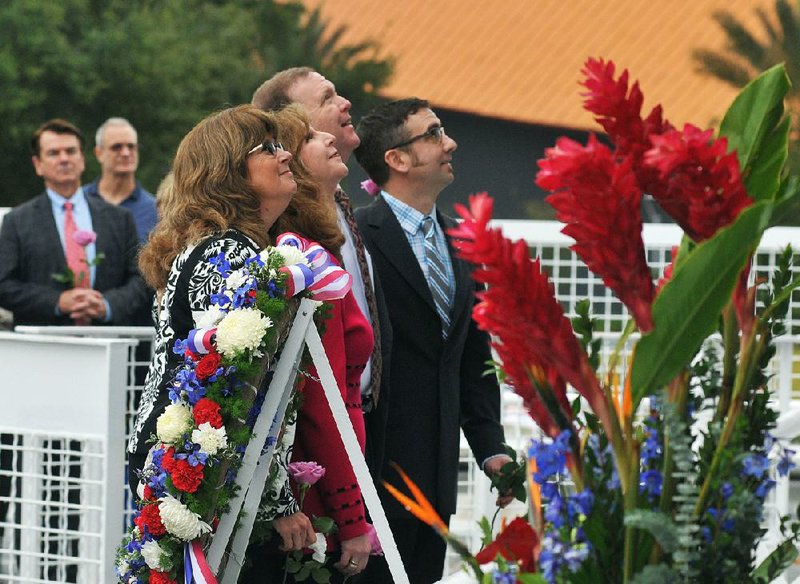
(438, 354)
(117, 151)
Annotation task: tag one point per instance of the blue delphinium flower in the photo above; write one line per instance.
(550, 458)
(650, 482)
(580, 503)
(726, 490)
(764, 487)
(179, 348)
(221, 263)
(259, 263)
(192, 454)
(508, 576)
(755, 465)
(220, 299)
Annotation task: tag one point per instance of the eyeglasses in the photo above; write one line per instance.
(436, 133)
(270, 148)
(118, 146)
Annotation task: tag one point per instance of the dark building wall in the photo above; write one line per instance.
(496, 156)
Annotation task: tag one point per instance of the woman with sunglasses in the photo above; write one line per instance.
(230, 183)
(347, 339)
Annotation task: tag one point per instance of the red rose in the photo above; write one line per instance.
(208, 365)
(150, 518)
(185, 477)
(157, 577)
(207, 410)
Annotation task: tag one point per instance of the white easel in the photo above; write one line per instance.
(252, 475)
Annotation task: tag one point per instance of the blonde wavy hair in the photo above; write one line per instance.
(210, 190)
(308, 214)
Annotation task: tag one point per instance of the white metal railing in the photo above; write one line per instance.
(20, 418)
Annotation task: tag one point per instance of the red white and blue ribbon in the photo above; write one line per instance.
(200, 340)
(323, 277)
(195, 566)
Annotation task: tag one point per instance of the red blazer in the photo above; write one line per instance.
(348, 342)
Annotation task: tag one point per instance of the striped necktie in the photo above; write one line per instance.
(437, 276)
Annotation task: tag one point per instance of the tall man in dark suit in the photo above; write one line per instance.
(33, 245)
(330, 112)
(438, 354)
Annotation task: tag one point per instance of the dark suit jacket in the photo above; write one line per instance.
(437, 385)
(31, 252)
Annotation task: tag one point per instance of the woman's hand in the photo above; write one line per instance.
(355, 554)
(296, 531)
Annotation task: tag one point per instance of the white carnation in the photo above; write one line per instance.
(236, 279)
(151, 552)
(319, 548)
(173, 423)
(122, 567)
(291, 255)
(241, 329)
(179, 520)
(264, 255)
(208, 318)
(210, 439)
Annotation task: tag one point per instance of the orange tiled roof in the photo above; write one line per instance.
(521, 59)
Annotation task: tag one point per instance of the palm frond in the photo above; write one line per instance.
(722, 67)
(741, 41)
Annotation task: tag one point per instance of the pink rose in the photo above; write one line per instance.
(84, 237)
(306, 473)
(374, 543)
(372, 189)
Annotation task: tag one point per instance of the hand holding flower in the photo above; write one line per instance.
(296, 532)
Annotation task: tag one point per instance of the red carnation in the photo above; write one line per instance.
(148, 493)
(192, 355)
(168, 460)
(208, 365)
(599, 199)
(207, 410)
(150, 518)
(517, 542)
(185, 477)
(157, 577)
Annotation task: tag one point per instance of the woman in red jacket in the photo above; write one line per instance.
(347, 339)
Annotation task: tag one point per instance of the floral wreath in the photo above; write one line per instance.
(189, 477)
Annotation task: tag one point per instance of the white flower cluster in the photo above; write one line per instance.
(210, 439)
(237, 278)
(241, 329)
(208, 318)
(171, 425)
(291, 255)
(151, 552)
(179, 520)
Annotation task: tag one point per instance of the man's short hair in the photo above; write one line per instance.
(120, 122)
(273, 94)
(58, 126)
(380, 130)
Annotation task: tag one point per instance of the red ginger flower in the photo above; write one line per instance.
(700, 184)
(519, 308)
(618, 111)
(599, 199)
(517, 542)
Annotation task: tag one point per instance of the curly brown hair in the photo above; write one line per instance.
(210, 192)
(308, 214)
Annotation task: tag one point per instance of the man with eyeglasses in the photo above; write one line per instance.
(117, 151)
(438, 354)
(330, 112)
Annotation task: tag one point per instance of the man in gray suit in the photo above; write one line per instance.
(33, 245)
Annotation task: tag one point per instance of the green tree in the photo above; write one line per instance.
(747, 54)
(163, 64)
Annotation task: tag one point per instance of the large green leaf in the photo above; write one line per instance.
(764, 176)
(754, 113)
(775, 563)
(687, 308)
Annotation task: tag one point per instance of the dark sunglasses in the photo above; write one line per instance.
(270, 148)
(436, 132)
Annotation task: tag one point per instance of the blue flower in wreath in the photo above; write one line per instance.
(193, 454)
(254, 260)
(220, 299)
(221, 263)
(180, 346)
(755, 465)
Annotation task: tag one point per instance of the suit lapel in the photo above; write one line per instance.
(393, 244)
(44, 211)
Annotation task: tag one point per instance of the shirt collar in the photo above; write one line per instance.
(410, 219)
(77, 198)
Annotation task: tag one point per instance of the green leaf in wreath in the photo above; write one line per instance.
(687, 308)
(324, 525)
(531, 579)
